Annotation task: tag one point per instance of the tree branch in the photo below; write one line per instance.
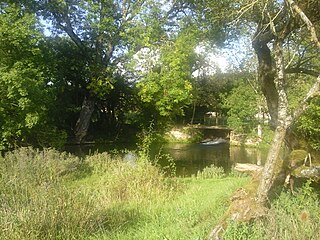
(69, 30)
(64, 23)
(306, 20)
(313, 92)
(302, 70)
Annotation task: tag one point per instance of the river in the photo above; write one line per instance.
(188, 158)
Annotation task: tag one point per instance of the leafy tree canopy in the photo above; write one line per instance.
(23, 92)
(168, 85)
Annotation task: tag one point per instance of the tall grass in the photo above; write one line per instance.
(51, 195)
(124, 181)
(291, 217)
(34, 203)
(42, 197)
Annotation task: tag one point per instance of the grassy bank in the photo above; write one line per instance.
(291, 217)
(189, 215)
(51, 195)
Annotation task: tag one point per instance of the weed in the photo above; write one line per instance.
(146, 138)
(211, 172)
(42, 198)
(35, 203)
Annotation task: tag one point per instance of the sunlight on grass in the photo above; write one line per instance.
(189, 215)
(51, 195)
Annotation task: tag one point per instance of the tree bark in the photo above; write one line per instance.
(306, 20)
(272, 76)
(266, 76)
(193, 112)
(277, 84)
(283, 123)
(84, 119)
(268, 172)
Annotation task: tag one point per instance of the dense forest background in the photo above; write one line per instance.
(74, 71)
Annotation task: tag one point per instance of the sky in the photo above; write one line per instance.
(213, 58)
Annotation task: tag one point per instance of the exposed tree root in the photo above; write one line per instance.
(243, 207)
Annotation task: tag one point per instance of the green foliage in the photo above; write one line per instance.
(211, 172)
(99, 38)
(308, 124)
(241, 231)
(297, 89)
(290, 217)
(242, 105)
(211, 90)
(169, 165)
(214, 17)
(168, 87)
(24, 99)
(146, 138)
(105, 32)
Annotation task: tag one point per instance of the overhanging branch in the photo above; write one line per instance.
(303, 71)
(313, 92)
(306, 20)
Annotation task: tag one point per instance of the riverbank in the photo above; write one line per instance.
(52, 195)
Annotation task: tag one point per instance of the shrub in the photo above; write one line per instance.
(211, 172)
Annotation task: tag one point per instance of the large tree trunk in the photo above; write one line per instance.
(283, 123)
(266, 76)
(84, 119)
(268, 174)
(272, 79)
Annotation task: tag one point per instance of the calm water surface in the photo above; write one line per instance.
(188, 158)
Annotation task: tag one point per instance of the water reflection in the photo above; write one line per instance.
(247, 155)
(89, 149)
(188, 158)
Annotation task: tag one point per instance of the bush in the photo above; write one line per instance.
(211, 172)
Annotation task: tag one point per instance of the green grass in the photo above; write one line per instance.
(52, 195)
(189, 215)
(291, 217)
